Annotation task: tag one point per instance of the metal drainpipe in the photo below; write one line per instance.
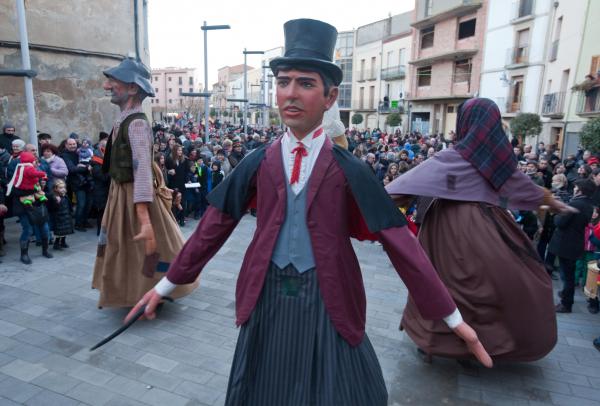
(136, 29)
(26, 61)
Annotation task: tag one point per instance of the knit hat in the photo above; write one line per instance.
(8, 124)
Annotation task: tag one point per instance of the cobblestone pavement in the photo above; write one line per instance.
(49, 319)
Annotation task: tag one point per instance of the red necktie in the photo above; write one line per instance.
(300, 152)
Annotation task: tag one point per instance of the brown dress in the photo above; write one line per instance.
(496, 279)
(118, 271)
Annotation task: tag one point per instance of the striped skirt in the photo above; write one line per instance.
(289, 353)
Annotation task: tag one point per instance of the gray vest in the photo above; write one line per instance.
(293, 243)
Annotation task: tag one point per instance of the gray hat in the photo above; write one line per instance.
(132, 71)
(7, 125)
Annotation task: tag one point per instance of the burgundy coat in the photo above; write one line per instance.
(332, 218)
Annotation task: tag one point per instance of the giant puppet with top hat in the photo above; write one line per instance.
(139, 236)
(300, 300)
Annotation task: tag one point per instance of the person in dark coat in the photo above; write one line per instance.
(59, 207)
(596, 178)
(568, 240)
(3, 212)
(78, 182)
(236, 155)
(7, 137)
(101, 184)
(217, 173)
(177, 168)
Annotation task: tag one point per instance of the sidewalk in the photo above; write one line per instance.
(49, 319)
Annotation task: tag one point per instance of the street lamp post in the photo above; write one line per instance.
(252, 100)
(244, 100)
(206, 28)
(246, 86)
(265, 90)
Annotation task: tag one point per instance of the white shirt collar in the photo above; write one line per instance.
(306, 141)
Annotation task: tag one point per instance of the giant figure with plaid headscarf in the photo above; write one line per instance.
(489, 265)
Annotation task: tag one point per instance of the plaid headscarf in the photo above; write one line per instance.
(482, 141)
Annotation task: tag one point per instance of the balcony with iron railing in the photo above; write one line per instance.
(393, 72)
(366, 74)
(514, 106)
(517, 56)
(588, 102)
(363, 105)
(553, 51)
(553, 104)
(387, 108)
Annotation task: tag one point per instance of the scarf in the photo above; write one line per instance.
(482, 142)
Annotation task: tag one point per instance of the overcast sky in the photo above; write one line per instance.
(176, 39)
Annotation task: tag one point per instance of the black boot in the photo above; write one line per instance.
(593, 305)
(45, 248)
(25, 253)
(56, 245)
(1, 243)
(63, 242)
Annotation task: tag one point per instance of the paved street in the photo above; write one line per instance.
(49, 319)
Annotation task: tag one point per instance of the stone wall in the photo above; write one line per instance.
(72, 42)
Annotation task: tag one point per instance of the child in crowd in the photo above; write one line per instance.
(60, 213)
(25, 181)
(177, 208)
(589, 254)
(85, 152)
(217, 173)
(192, 191)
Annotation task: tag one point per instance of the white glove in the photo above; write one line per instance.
(332, 124)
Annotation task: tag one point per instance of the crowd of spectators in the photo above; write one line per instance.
(192, 167)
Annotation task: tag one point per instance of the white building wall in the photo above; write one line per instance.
(500, 35)
(500, 38)
(366, 52)
(569, 38)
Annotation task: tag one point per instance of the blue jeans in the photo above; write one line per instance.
(84, 204)
(28, 228)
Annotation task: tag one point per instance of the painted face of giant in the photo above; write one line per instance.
(301, 100)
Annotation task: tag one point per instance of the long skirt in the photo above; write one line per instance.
(496, 278)
(289, 353)
(118, 270)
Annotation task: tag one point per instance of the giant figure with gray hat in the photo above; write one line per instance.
(139, 235)
(300, 299)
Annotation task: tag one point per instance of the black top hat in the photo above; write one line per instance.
(309, 43)
(132, 71)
